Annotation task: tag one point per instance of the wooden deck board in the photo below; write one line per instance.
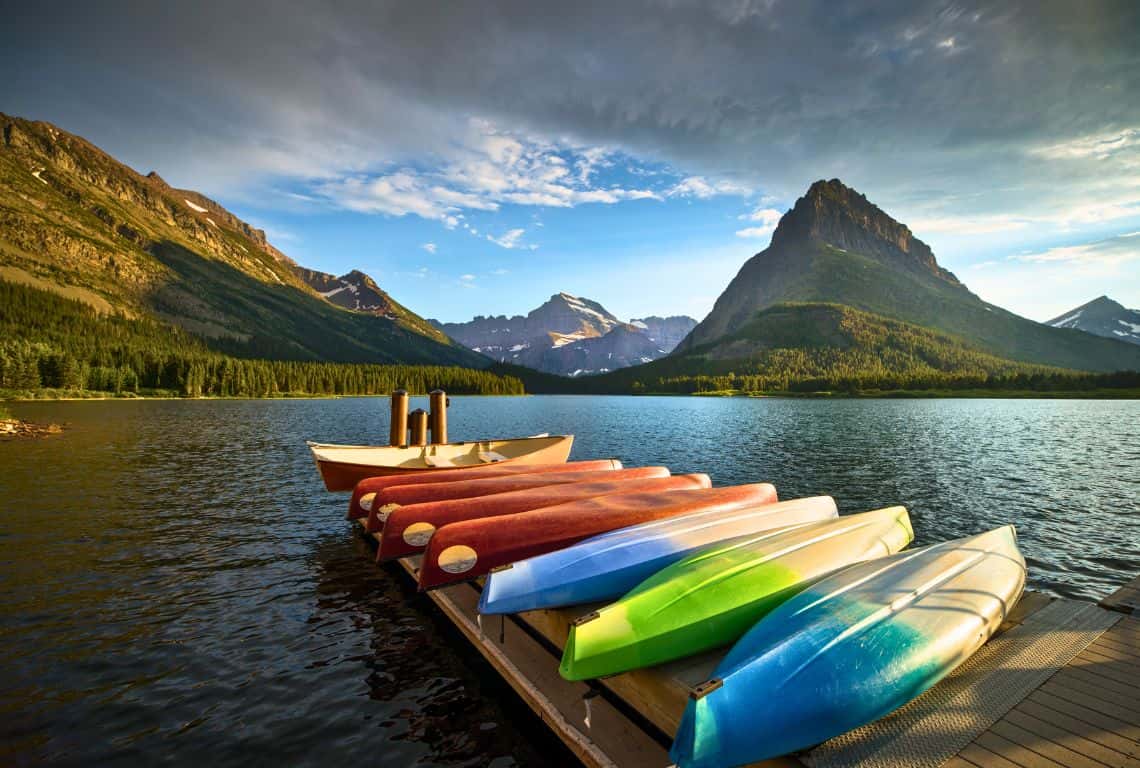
(1126, 599)
(1087, 715)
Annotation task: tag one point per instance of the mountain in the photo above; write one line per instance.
(570, 336)
(665, 332)
(76, 221)
(1102, 317)
(836, 247)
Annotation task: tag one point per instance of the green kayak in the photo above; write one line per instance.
(712, 598)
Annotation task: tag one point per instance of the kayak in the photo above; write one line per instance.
(390, 499)
(343, 466)
(472, 548)
(408, 529)
(850, 649)
(712, 598)
(366, 490)
(605, 567)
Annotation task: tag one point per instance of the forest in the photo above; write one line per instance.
(48, 342)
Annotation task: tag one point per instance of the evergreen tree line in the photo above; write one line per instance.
(47, 341)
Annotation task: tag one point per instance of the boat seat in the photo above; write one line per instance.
(438, 461)
(491, 457)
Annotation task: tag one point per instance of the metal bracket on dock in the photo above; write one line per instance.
(705, 688)
(584, 618)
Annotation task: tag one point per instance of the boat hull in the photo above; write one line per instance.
(373, 485)
(470, 549)
(710, 599)
(852, 648)
(408, 529)
(343, 466)
(605, 567)
(387, 501)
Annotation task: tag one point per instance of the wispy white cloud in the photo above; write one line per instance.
(1098, 145)
(486, 169)
(703, 188)
(768, 218)
(509, 239)
(429, 247)
(1111, 252)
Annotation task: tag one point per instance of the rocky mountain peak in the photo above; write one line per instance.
(833, 213)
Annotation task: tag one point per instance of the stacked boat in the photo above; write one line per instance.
(827, 621)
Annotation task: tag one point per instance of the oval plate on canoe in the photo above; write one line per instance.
(710, 599)
(850, 649)
(472, 548)
(605, 567)
(343, 466)
(366, 490)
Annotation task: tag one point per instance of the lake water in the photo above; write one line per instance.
(176, 585)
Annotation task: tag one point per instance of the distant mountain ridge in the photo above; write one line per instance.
(571, 336)
(836, 247)
(76, 221)
(1102, 317)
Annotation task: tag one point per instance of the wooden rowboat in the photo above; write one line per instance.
(343, 466)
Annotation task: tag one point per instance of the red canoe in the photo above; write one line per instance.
(409, 528)
(471, 548)
(391, 499)
(372, 485)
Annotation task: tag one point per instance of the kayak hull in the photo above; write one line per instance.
(470, 549)
(710, 599)
(373, 485)
(343, 466)
(407, 530)
(852, 648)
(390, 499)
(605, 567)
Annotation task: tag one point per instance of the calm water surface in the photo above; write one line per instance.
(176, 586)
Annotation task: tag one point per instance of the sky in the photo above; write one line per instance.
(476, 158)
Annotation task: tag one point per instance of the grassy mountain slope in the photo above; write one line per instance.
(824, 347)
(75, 219)
(834, 246)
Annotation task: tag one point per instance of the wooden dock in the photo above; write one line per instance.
(1083, 714)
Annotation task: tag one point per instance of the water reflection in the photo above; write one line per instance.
(175, 582)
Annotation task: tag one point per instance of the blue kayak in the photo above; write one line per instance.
(605, 567)
(850, 649)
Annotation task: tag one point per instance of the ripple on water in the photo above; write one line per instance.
(176, 583)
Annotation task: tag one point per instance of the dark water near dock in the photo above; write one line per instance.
(176, 586)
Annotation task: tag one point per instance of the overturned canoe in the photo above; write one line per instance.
(712, 598)
(850, 649)
(365, 491)
(605, 567)
(472, 548)
(408, 529)
(343, 466)
(390, 499)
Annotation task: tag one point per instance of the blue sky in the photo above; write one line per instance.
(476, 158)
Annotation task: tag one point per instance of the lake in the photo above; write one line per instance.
(177, 585)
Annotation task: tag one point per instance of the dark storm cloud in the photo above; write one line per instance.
(919, 101)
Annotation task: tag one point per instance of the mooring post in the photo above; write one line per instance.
(437, 417)
(419, 423)
(398, 430)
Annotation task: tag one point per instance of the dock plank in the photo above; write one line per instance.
(1126, 599)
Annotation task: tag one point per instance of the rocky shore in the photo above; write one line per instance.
(17, 428)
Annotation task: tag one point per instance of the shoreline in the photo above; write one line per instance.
(47, 396)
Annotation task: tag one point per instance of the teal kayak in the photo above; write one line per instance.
(712, 598)
(850, 649)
